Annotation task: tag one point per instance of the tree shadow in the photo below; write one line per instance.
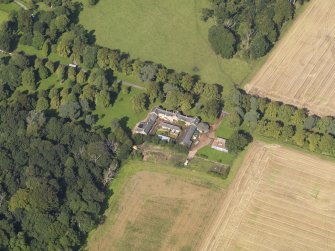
(124, 124)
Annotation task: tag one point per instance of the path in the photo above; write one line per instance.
(207, 139)
(133, 85)
(21, 4)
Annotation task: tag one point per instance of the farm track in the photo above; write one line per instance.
(280, 200)
(301, 69)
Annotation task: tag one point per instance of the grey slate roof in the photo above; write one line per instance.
(150, 123)
(187, 140)
(191, 120)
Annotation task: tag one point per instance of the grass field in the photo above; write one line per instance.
(157, 207)
(281, 199)
(5, 9)
(122, 109)
(300, 71)
(168, 32)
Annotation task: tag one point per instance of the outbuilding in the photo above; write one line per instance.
(203, 127)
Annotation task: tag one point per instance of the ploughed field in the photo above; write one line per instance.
(281, 199)
(301, 69)
(157, 211)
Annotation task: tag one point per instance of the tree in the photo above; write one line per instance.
(327, 144)
(71, 73)
(287, 133)
(92, 2)
(90, 56)
(38, 40)
(259, 46)
(43, 72)
(81, 77)
(28, 78)
(313, 141)
(148, 72)
(172, 99)
(103, 58)
(61, 71)
(140, 102)
(71, 110)
(50, 66)
(238, 141)
(62, 23)
(298, 118)
(234, 119)
(153, 91)
(186, 102)
(283, 11)
(206, 14)
(46, 48)
(6, 40)
(187, 82)
(103, 98)
(299, 137)
(222, 40)
(42, 104)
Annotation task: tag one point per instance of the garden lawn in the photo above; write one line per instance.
(168, 32)
(215, 155)
(122, 110)
(225, 130)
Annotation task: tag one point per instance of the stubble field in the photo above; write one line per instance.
(156, 211)
(281, 199)
(301, 69)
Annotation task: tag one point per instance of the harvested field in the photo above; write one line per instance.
(281, 199)
(158, 211)
(301, 69)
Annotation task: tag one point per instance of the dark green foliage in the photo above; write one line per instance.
(222, 40)
(238, 141)
(52, 176)
(255, 24)
(259, 46)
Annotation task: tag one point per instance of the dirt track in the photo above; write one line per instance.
(280, 200)
(301, 69)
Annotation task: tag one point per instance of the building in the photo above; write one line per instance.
(145, 127)
(163, 137)
(174, 117)
(220, 145)
(203, 127)
(169, 121)
(187, 139)
(171, 128)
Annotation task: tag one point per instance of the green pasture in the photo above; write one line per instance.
(164, 31)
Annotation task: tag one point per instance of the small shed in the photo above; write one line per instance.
(203, 127)
(220, 145)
